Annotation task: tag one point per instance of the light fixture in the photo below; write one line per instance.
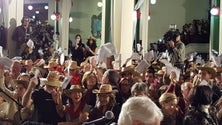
(70, 19)
(30, 7)
(37, 12)
(33, 17)
(153, 1)
(46, 7)
(0, 10)
(99, 4)
(53, 17)
(215, 11)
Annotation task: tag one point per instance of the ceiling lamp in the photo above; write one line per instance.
(46, 7)
(37, 12)
(30, 7)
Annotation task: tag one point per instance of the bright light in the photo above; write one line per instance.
(215, 11)
(30, 7)
(134, 15)
(153, 1)
(149, 17)
(70, 19)
(46, 7)
(53, 17)
(37, 12)
(0, 10)
(33, 17)
(99, 4)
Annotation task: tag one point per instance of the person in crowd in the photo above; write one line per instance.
(75, 72)
(111, 77)
(140, 110)
(105, 102)
(206, 75)
(99, 71)
(15, 98)
(149, 76)
(89, 81)
(170, 109)
(201, 112)
(92, 47)
(174, 86)
(78, 50)
(139, 89)
(20, 35)
(47, 101)
(77, 111)
(4, 111)
(219, 110)
(124, 90)
(186, 89)
(193, 74)
(176, 50)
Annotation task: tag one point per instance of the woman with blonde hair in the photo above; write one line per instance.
(170, 109)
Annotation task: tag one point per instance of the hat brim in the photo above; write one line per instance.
(96, 91)
(51, 83)
(209, 69)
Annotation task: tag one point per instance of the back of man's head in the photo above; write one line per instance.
(140, 110)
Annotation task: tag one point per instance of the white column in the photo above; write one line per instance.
(220, 31)
(144, 25)
(103, 22)
(51, 10)
(123, 27)
(64, 25)
(13, 15)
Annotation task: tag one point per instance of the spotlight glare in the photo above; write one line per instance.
(46, 7)
(37, 12)
(70, 19)
(53, 17)
(30, 7)
(99, 4)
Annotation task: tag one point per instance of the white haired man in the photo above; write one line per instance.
(140, 110)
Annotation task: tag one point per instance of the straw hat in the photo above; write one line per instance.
(52, 79)
(51, 64)
(74, 88)
(73, 65)
(92, 38)
(207, 68)
(104, 89)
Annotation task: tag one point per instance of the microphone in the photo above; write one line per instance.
(108, 116)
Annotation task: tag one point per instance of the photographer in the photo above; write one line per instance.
(176, 48)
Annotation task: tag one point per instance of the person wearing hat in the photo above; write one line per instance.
(47, 101)
(91, 47)
(105, 102)
(77, 111)
(52, 66)
(16, 94)
(206, 75)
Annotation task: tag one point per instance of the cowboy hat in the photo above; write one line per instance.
(104, 89)
(207, 68)
(71, 65)
(52, 79)
(74, 88)
(51, 64)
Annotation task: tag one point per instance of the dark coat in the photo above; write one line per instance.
(197, 117)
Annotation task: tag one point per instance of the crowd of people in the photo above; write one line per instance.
(82, 90)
